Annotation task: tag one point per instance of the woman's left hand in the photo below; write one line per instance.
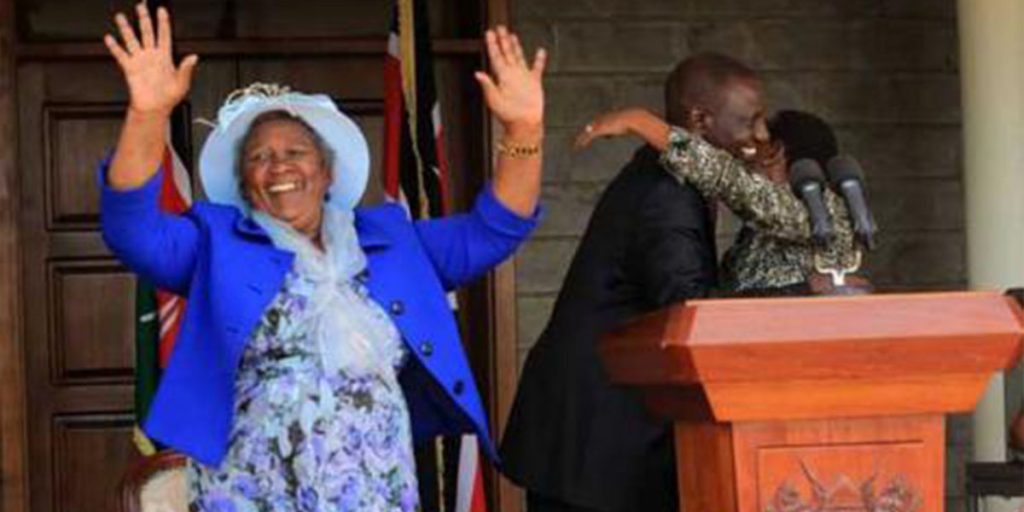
(515, 93)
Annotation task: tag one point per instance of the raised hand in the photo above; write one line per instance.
(515, 93)
(154, 83)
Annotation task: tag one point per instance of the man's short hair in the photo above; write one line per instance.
(698, 80)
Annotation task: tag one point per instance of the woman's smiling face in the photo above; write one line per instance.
(285, 174)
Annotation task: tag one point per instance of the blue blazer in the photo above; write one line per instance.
(229, 270)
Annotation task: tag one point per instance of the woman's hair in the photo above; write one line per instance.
(325, 151)
(804, 135)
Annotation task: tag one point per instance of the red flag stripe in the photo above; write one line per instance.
(442, 162)
(469, 496)
(393, 105)
(175, 197)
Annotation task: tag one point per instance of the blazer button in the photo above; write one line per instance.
(396, 307)
(458, 387)
(363, 276)
(427, 349)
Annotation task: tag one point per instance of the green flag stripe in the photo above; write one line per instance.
(147, 340)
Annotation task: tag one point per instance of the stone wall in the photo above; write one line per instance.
(883, 72)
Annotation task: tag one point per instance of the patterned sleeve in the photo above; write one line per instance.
(767, 207)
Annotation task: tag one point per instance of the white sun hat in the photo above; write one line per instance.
(218, 160)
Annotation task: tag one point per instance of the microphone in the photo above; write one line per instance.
(807, 180)
(847, 178)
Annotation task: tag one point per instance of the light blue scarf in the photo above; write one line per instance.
(349, 334)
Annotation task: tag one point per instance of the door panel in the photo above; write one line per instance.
(92, 336)
(70, 132)
(89, 452)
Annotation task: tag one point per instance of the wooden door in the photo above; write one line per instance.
(77, 301)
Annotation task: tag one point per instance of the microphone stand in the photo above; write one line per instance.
(839, 274)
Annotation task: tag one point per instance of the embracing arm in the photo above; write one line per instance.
(768, 207)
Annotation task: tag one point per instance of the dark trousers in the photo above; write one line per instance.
(538, 503)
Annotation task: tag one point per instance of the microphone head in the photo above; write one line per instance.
(803, 171)
(842, 168)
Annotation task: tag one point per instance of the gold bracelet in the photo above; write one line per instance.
(513, 150)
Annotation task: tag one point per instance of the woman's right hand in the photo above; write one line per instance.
(155, 85)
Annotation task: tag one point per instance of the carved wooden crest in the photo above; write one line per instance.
(845, 495)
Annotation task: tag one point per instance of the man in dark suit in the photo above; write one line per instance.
(575, 441)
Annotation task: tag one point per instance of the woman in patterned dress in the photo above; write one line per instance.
(317, 343)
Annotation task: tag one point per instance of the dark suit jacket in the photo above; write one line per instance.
(572, 435)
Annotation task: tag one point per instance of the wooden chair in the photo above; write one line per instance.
(156, 484)
(1005, 479)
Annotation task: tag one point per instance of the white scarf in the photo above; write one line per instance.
(348, 332)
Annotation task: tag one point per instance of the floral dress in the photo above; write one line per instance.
(305, 438)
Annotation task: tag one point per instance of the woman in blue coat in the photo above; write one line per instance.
(317, 342)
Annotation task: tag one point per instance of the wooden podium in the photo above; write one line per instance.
(815, 404)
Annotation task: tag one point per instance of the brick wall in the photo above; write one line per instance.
(883, 72)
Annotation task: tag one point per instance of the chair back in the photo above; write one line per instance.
(156, 483)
